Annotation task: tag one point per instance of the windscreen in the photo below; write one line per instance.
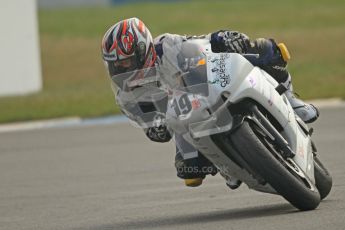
(144, 93)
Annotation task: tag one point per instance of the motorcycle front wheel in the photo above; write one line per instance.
(282, 174)
(323, 179)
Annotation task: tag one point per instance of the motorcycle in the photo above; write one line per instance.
(234, 113)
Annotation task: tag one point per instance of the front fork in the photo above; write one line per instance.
(285, 151)
(271, 132)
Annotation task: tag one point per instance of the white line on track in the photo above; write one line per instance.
(117, 119)
(60, 123)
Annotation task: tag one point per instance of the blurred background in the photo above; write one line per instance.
(74, 80)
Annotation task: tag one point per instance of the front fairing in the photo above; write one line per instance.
(189, 81)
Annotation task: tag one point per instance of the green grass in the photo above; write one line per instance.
(75, 81)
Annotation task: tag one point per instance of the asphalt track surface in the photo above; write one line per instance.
(112, 177)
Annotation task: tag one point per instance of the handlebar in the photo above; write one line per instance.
(251, 55)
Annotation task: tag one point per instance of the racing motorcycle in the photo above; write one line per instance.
(232, 112)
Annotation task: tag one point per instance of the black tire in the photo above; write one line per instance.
(323, 179)
(264, 161)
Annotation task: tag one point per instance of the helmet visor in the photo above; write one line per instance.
(122, 66)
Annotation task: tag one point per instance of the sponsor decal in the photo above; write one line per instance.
(220, 70)
(300, 151)
(196, 103)
(214, 81)
(252, 81)
(214, 70)
(187, 63)
(109, 57)
(214, 60)
(271, 98)
(182, 105)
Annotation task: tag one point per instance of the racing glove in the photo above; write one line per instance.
(158, 134)
(229, 41)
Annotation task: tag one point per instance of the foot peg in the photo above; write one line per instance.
(233, 183)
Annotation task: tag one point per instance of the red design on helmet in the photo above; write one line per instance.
(127, 42)
(114, 46)
(141, 27)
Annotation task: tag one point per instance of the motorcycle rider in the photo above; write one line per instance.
(128, 46)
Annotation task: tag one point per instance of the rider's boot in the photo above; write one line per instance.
(193, 170)
(307, 112)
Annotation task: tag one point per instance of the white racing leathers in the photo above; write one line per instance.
(149, 112)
